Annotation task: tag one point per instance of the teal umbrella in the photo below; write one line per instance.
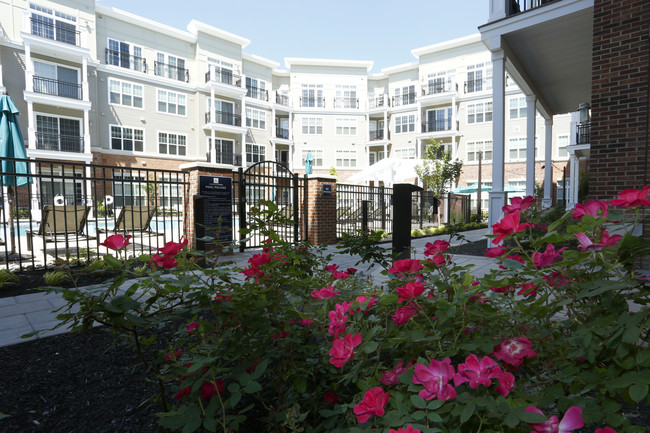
(309, 163)
(12, 146)
(470, 189)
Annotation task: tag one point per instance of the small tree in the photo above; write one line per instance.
(438, 172)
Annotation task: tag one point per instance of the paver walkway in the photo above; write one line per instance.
(21, 315)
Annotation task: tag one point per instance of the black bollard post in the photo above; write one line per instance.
(402, 218)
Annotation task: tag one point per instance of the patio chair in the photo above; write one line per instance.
(134, 219)
(61, 223)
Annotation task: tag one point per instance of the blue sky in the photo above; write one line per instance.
(382, 31)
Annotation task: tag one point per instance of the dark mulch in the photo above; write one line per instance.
(470, 248)
(71, 383)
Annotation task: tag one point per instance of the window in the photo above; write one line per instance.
(438, 120)
(563, 146)
(255, 153)
(561, 187)
(312, 96)
(125, 93)
(518, 108)
(346, 96)
(479, 113)
(405, 153)
(256, 89)
(374, 157)
(346, 158)
(170, 191)
(125, 55)
(172, 144)
(312, 125)
(129, 189)
(170, 67)
(59, 134)
(51, 24)
(223, 71)
(224, 112)
(473, 148)
(404, 96)
(224, 152)
(440, 82)
(56, 80)
(479, 78)
(317, 154)
(405, 123)
(517, 148)
(346, 126)
(255, 118)
(172, 102)
(124, 138)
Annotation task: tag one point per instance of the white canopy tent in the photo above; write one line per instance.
(388, 171)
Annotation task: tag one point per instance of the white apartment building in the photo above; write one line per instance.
(101, 85)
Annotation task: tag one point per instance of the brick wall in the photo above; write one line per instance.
(619, 147)
(321, 211)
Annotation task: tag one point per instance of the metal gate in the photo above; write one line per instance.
(272, 181)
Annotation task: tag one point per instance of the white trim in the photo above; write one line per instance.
(143, 22)
(108, 89)
(134, 152)
(194, 27)
(178, 146)
(295, 61)
(167, 103)
(446, 45)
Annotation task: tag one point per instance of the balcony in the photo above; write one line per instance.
(61, 31)
(282, 133)
(517, 6)
(223, 77)
(223, 117)
(171, 71)
(50, 86)
(378, 135)
(479, 85)
(282, 99)
(406, 99)
(438, 125)
(379, 101)
(225, 158)
(317, 102)
(257, 93)
(124, 60)
(583, 135)
(439, 88)
(59, 143)
(346, 103)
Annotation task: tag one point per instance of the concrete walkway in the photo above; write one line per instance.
(21, 315)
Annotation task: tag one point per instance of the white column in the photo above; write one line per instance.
(572, 191)
(31, 126)
(84, 80)
(530, 144)
(454, 151)
(273, 125)
(88, 190)
(291, 118)
(498, 9)
(36, 204)
(291, 149)
(547, 201)
(243, 125)
(243, 149)
(86, 146)
(386, 127)
(367, 117)
(497, 196)
(213, 148)
(29, 69)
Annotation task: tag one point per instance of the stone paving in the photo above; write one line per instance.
(21, 315)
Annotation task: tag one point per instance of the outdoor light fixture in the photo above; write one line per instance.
(583, 109)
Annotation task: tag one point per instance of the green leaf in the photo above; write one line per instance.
(112, 261)
(260, 369)
(235, 398)
(467, 413)
(631, 334)
(418, 401)
(435, 404)
(252, 388)
(370, 347)
(512, 264)
(511, 420)
(418, 415)
(532, 417)
(638, 391)
(434, 417)
(192, 425)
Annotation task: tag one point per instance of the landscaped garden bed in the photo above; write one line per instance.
(553, 341)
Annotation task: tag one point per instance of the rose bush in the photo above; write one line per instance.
(554, 339)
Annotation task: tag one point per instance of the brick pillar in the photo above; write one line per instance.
(321, 210)
(195, 169)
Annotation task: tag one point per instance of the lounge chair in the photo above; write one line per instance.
(134, 219)
(61, 223)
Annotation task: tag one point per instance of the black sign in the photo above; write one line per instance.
(215, 210)
(327, 190)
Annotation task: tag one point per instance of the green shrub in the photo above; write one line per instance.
(417, 233)
(8, 280)
(55, 278)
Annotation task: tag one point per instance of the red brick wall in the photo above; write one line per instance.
(619, 97)
(321, 212)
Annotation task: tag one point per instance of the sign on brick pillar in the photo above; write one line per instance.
(321, 210)
(195, 169)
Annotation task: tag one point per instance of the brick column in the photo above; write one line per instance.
(195, 169)
(321, 210)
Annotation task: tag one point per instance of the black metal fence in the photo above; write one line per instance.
(459, 207)
(360, 207)
(64, 210)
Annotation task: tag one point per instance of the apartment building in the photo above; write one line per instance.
(101, 85)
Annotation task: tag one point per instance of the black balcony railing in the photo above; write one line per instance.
(479, 85)
(407, 98)
(346, 103)
(584, 133)
(378, 135)
(54, 87)
(281, 99)
(318, 102)
(59, 31)
(171, 71)
(223, 117)
(437, 88)
(516, 6)
(282, 133)
(125, 60)
(379, 101)
(443, 124)
(225, 77)
(59, 143)
(225, 158)
(257, 93)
